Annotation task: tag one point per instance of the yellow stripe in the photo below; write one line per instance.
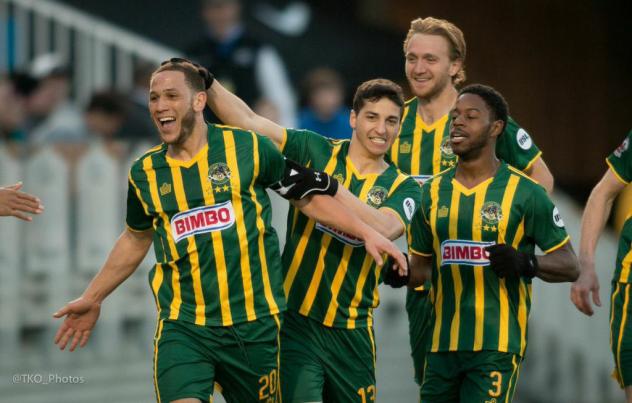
(415, 161)
(625, 267)
(510, 191)
(512, 379)
(156, 282)
(267, 287)
(341, 272)
(479, 276)
(559, 245)
(278, 385)
(437, 293)
(533, 160)
(612, 311)
(305, 236)
(622, 326)
(614, 171)
(439, 128)
(369, 329)
(395, 146)
(159, 327)
(310, 296)
(200, 317)
(366, 264)
(176, 301)
(522, 298)
(244, 259)
(456, 274)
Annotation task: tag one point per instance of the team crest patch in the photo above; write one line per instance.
(622, 148)
(446, 149)
(404, 148)
(219, 173)
(376, 196)
(492, 213)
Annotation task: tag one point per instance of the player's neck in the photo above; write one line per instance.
(365, 162)
(434, 108)
(471, 172)
(192, 145)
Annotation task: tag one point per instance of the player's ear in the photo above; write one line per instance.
(455, 66)
(199, 101)
(497, 128)
(352, 119)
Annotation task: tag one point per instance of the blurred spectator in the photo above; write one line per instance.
(51, 115)
(105, 115)
(244, 65)
(14, 92)
(325, 111)
(138, 124)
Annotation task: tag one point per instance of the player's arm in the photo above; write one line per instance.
(234, 112)
(329, 211)
(82, 313)
(540, 172)
(596, 214)
(420, 269)
(558, 266)
(14, 202)
(384, 221)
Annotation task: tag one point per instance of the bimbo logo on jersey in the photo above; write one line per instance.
(467, 253)
(201, 220)
(339, 235)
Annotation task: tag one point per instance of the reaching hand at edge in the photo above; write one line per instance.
(15, 203)
(81, 316)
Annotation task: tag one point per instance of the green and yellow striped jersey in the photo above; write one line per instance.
(474, 309)
(423, 150)
(620, 163)
(218, 260)
(329, 277)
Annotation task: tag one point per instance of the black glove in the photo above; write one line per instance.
(299, 182)
(505, 261)
(391, 277)
(206, 75)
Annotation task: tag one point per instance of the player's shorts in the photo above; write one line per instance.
(418, 307)
(243, 359)
(319, 363)
(621, 332)
(470, 377)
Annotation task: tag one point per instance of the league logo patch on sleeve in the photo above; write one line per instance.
(622, 148)
(523, 139)
(557, 218)
(409, 207)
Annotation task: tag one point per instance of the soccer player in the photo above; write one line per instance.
(327, 343)
(475, 237)
(435, 52)
(200, 198)
(16, 203)
(595, 216)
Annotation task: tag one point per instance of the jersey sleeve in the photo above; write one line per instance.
(299, 145)
(543, 222)
(620, 161)
(404, 201)
(271, 162)
(516, 147)
(420, 233)
(137, 218)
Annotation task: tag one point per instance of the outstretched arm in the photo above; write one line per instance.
(540, 172)
(594, 220)
(235, 112)
(82, 313)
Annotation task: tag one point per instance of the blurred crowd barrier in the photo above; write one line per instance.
(51, 260)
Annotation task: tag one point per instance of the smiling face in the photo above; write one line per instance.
(376, 125)
(472, 127)
(173, 106)
(429, 69)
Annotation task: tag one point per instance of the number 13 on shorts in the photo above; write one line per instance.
(367, 394)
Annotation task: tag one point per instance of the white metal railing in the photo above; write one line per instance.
(102, 54)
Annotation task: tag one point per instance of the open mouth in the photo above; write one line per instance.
(457, 137)
(167, 122)
(378, 140)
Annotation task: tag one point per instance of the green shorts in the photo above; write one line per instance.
(418, 307)
(319, 363)
(470, 377)
(243, 359)
(621, 333)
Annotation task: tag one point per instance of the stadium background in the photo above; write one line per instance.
(563, 67)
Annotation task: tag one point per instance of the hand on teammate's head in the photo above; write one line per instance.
(202, 71)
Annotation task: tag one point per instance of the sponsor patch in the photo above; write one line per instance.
(201, 220)
(409, 207)
(622, 148)
(466, 253)
(376, 196)
(339, 235)
(557, 218)
(523, 139)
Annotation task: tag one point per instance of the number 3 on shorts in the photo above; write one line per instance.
(497, 384)
(369, 392)
(269, 384)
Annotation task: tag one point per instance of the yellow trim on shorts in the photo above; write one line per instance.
(159, 327)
